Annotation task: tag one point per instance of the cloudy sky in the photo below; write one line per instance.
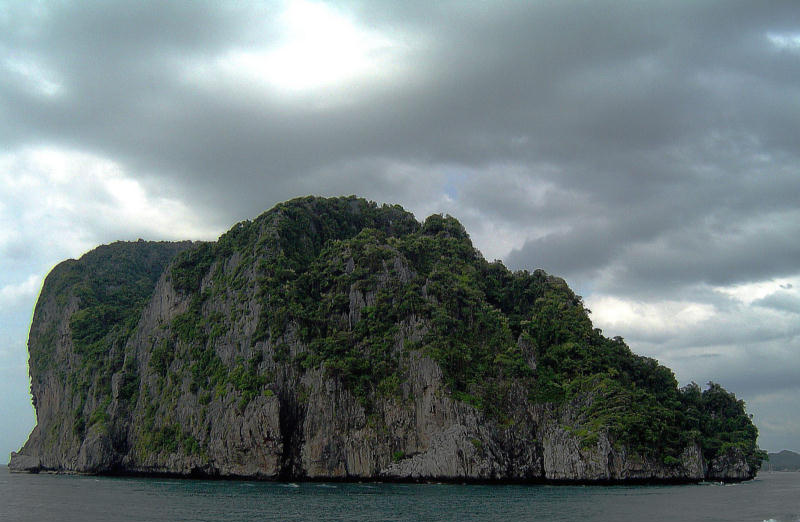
(645, 151)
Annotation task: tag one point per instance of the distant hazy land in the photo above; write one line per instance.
(783, 461)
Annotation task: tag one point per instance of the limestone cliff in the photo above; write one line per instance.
(335, 339)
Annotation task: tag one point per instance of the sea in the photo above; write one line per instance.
(45, 497)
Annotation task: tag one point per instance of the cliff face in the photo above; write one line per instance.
(334, 339)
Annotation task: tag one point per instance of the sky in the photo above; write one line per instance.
(645, 151)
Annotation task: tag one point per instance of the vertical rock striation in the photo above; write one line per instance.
(335, 339)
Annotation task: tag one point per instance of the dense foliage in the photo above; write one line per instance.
(358, 288)
(108, 287)
(112, 284)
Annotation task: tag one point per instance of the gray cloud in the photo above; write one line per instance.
(782, 301)
(599, 89)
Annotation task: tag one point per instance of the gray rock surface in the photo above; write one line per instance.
(299, 424)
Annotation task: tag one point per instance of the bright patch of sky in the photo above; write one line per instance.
(12, 292)
(66, 202)
(319, 50)
(32, 76)
(615, 314)
(789, 41)
(749, 292)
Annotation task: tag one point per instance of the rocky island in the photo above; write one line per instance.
(335, 339)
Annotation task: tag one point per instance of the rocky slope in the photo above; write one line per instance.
(335, 339)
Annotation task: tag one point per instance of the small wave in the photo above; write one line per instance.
(290, 485)
(329, 486)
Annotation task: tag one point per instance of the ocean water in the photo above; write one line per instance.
(23, 497)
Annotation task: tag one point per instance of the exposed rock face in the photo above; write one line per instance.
(730, 466)
(197, 382)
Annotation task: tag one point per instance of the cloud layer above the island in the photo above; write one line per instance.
(646, 152)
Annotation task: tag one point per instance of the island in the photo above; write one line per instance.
(339, 339)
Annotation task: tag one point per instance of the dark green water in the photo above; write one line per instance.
(25, 497)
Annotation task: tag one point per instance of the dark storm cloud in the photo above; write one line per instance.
(647, 112)
(666, 134)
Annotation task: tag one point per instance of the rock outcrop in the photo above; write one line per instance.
(334, 339)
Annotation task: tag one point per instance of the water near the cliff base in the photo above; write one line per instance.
(772, 496)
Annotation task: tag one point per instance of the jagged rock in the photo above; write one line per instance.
(96, 453)
(730, 466)
(24, 463)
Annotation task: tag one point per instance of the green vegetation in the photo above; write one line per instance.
(288, 240)
(198, 332)
(485, 324)
(166, 439)
(719, 420)
(108, 287)
(112, 284)
(353, 289)
(191, 266)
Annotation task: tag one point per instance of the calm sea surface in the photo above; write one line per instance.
(772, 496)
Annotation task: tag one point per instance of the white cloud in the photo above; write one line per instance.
(319, 50)
(32, 75)
(747, 293)
(706, 323)
(13, 292)
(64, 202)
(647, 318)
(712, 336)
(788, 41)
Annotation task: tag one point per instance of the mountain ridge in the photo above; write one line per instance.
(784, 460)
